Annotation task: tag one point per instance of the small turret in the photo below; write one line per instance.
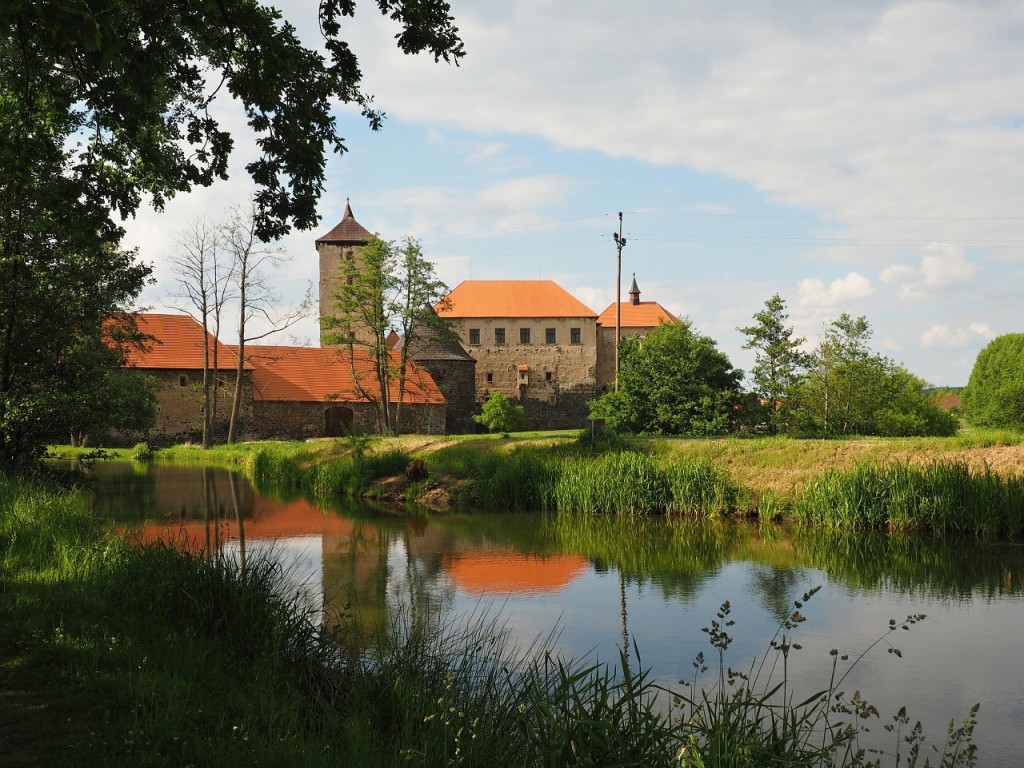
(634, 292)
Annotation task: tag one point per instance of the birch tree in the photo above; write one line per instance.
(258, 302)
(204, 277)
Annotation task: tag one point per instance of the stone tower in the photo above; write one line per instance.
(453, 369)
(342, 243)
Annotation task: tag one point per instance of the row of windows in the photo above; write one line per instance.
(548, 376)
(550, 336)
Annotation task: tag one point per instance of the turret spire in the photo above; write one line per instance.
(634, 292)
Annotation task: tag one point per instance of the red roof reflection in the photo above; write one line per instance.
(505, 572)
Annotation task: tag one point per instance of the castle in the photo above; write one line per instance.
(530, 339)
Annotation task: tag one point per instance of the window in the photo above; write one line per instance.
(549, 335)
(524, 335)
(574, 336)
(474, 335)
(499, 335)
(490, 377)
(547, 375)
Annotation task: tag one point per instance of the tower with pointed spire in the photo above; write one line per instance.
(344, 242)
(634, 292)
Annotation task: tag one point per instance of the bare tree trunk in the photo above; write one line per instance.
(236, 400)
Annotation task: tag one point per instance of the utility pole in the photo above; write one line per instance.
(620, 243)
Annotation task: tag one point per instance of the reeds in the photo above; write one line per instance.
(612, 483)
(349, 474)
(943, 497)
(621, 482)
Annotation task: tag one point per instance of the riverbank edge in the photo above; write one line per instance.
(771, 477)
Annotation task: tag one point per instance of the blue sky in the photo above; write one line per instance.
(864, 158)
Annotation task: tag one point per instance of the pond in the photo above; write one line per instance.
(656, 583)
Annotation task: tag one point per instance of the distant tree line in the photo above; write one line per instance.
(674, 381)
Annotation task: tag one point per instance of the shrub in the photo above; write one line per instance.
(499, 414)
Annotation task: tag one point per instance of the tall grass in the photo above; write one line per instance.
(620, 482)
(611, 483)
(752, 718)
(349, 474)
(942, 497)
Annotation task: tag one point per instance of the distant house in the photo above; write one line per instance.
(635, 318)
(533, 341)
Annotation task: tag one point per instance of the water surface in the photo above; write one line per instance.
(607, 583)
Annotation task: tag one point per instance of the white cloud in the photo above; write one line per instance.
(890, 344)
(943, 335)
(982, 329)
(868, 110)
(943, 268)
(814, 293)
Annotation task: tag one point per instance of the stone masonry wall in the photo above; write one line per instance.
(179, 416)
(558, 379)
(606, 353)
(456, 380)
(294, 421)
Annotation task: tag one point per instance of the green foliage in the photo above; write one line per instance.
(348, 475)
(142, 452)
(672, 381)
(941, 497)
(779, 363)
(850, 390)
(144, 109)
(499, 414)
(994, 396)
(388, 287)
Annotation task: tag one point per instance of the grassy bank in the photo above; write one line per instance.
(971, 483)
(114, 655)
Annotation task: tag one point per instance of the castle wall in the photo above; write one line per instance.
(179, 411)
(333, 257)
(457, 382)
(606, 353)
(553, 381)
(296, 420)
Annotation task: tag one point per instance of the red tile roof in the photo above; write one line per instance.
(512, 298)
(315, 374)
(646, 314)
(348, 230)
(177, 344)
